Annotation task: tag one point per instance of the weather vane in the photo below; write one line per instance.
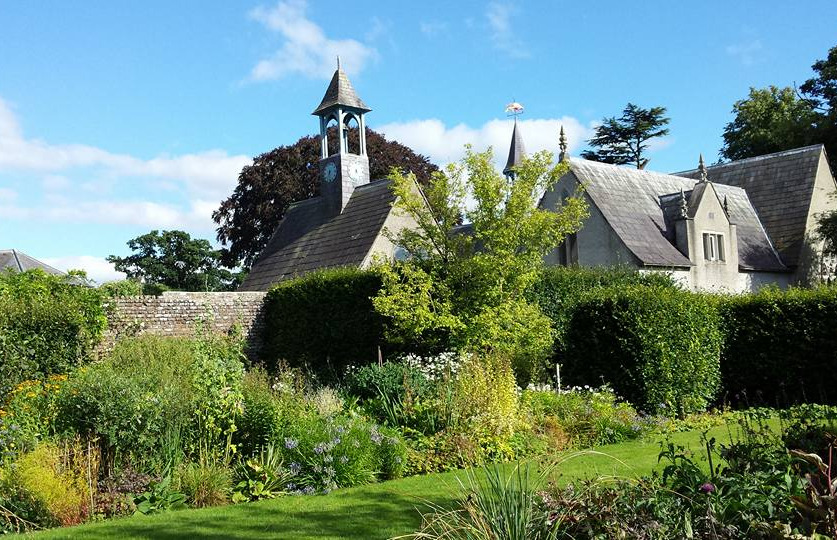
(514, 109)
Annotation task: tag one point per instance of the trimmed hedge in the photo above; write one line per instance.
(780, 347)
(658, 347)
(324, 321)
(47, 325)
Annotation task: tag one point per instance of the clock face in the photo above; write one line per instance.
(354, 171)
(330, 172)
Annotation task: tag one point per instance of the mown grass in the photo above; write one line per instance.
(368, 512)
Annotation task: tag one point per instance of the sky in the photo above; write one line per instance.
(121, 117)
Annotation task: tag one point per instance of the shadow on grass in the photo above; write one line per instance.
(380, 514)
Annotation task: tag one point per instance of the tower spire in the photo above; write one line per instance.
(702, 169)
(562, 144)
(516, 150)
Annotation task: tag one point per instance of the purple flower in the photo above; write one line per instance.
(376, 437)
(290, 444)
(294, 467)
(319, 448)
(707, 488)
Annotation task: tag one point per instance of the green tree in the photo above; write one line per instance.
(465, 289)
(623, 140)
(770, 120)
(175, 260)
(821, 92)
(248, 217)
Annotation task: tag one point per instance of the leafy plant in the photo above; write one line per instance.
(159, 497)
(204, 484)
(261, 477)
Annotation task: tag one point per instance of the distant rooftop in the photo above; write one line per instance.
(17, 261)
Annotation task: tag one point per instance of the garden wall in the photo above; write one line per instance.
(176, 313)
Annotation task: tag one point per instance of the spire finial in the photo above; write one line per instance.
(338, 62)
(702, 170)
(684, 206)
(562, 144)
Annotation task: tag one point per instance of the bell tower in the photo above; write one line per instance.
(343, 164)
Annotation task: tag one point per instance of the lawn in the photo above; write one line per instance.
(369, 512)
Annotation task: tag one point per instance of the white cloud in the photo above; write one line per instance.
(443, 144)
(210, 174)
(499, 16)
(746, 53)
(97, 268)
(306, 49)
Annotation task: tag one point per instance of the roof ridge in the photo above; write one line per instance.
(783, 153)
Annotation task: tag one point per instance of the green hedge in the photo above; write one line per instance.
(658, 347)
(323, 322)
(780, 347)
(47, 325)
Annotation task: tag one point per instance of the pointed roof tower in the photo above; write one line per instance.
(340, 92)
(516, 152)
(562, 144)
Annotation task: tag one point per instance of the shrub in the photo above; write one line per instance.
(204, 484)
(324, 322)
(52, 485)
(262, 476)
(780, 347)
(588, 417)
(28, 414)
(657, 347)
(122, 287)
(559, 288)
(47, 325)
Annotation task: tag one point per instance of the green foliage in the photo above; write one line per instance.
(623, 140)
(493, 506)
(780, 347)
(324, 322)
(154, 399)
(122, 287)
(160, 497)
(176, 260)
(28, 414)
(559, 290)
(657, 347)
(774, 119)
(588, 417)
(47, 489)
(204, 484)
(770, 120)
(47, 325)
(465, 292)
(261, 476)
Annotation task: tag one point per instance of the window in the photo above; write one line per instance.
(713, 247)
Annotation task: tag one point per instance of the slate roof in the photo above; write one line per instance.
(341, 92)
(18, 261)
(636, 202)
(780, 186)
(516, 150)
(307, 239)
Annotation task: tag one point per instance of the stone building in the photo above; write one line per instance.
(350, 222)
(733, 227)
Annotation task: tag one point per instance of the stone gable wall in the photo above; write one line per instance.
(176, 313)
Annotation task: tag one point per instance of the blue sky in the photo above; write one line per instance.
(121, 117)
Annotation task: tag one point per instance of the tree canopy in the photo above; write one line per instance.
(774, 119)
(465, 286)
(623, 140)
(175, 260)
(248, 217)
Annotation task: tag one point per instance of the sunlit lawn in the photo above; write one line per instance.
(368, 512)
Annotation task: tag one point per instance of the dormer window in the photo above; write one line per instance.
(713, 247)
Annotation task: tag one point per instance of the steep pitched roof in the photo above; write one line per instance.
(636, 203)
(307, 239)
(516, 150)
(780, 186)
(18, 261)
(341, 92)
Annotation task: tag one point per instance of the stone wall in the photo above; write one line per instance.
(175, 314)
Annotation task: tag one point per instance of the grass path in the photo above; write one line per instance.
(374, 511)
